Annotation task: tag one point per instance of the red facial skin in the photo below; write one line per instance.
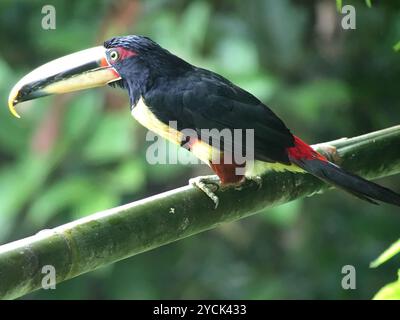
(123, 54)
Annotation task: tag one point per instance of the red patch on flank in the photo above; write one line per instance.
(302, 150)
(227, 172)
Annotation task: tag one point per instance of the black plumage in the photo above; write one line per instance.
(197, 99)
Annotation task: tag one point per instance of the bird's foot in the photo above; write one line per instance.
(257, 180)
(328, 151)
(209, 185)
(254, 179)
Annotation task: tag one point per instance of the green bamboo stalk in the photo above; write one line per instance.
(109, 236)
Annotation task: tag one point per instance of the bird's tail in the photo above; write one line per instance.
(316, 164)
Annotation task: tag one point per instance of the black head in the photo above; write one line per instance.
(141, 62)
(138, 44)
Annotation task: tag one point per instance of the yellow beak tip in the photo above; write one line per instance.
(12, 101)
(15, 114)
(12, 109)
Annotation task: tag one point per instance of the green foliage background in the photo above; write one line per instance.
(72, 155)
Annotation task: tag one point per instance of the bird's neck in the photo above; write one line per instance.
(134, 91)
(153, 77)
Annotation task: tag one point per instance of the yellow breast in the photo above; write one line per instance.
(146, 118)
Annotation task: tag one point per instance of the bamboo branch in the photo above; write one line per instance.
(109, 236)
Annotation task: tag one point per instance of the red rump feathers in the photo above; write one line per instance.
(302, 151)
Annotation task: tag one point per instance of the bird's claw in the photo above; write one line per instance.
(209, 185)
(329, 151)
(255, 179)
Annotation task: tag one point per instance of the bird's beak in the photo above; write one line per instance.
(81, 70)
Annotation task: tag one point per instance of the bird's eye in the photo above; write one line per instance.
(114, 56)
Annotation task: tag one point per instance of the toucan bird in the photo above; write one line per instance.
(163, 88)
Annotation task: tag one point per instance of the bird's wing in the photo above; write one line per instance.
(205, 100)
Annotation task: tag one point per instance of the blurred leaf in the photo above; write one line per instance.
(164, 172)
(240, 51)
(57, 197)
(32, 170)
(261, 86)
(368, 3)
(95, 199)
(129, 176)
(312, 99)
(18, 183)
(389, 292)
(79, 195)
(387, 254)
(6, 73)
(113, 138)
(396, 47)
(283, 215)
(10, 126)
(284, 27)
(339, 5)
(82, 115)
(70, 38)
(194, 25)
